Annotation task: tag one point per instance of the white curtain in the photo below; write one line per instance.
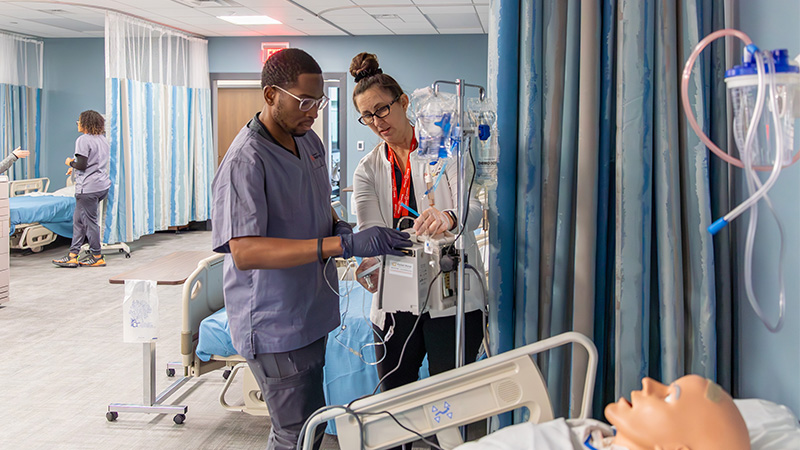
(21, 74)
(158, 103)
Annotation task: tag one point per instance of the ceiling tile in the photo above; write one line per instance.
(70, 24)
(428, 10)
(350, 13)
(321, 5)
(378, 2)
(476, 30)
(468, 20)
(440, 2)
(402, 16)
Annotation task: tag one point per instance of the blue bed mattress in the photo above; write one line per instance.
(51, 211)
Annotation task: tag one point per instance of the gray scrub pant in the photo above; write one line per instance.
(291, 383)
(85, 223)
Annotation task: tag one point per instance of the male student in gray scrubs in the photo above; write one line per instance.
(272, 217)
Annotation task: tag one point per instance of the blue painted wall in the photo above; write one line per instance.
(769, 364)
(74, 81)
(74, 77)
(414, 61)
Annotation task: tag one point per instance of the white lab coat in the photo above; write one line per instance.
(372, 193)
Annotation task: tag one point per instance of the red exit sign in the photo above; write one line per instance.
(270, 48)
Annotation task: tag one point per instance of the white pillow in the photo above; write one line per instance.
(771, 426)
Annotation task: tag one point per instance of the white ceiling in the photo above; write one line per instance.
(85, 18)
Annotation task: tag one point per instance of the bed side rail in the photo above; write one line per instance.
(202, 296)
(22, 187)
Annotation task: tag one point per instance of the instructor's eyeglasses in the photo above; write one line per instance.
(306, 104)
(380, 113)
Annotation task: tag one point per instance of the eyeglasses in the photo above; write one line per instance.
(380, 113)
(306, 104)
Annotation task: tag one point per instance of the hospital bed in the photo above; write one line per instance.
(202, 298)
(206, 344)
(36, 219)
(37, 216)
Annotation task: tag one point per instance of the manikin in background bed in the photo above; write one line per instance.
(693, 413)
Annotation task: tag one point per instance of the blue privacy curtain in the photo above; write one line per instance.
(599, 220)
(158, 102)
(21, 76)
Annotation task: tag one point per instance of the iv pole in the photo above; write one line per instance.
(463, 205)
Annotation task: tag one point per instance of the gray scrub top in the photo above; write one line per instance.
(262, 189)
(97, 152)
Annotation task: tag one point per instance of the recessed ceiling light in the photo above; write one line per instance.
(250, 20)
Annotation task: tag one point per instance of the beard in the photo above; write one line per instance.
(281, 117)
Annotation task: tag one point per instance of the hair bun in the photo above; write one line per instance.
(364, 65)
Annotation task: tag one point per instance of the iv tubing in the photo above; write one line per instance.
(753, 181)
(776, 167)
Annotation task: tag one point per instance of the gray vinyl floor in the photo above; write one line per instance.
(63, 361)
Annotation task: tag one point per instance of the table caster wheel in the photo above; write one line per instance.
(226, 374)
(111, 416)
(179, 418)
(170, 372)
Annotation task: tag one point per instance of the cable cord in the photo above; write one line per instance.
(484, 309)
(469, 195)
(403, 427)
(408, 338)
(342, 326)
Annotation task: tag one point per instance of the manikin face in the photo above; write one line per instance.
(394, 127)
(285, 109)
(691, 413)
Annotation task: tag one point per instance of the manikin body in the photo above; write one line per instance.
(693, 413)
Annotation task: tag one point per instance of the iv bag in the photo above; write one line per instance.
(483, 118)
(433, 116)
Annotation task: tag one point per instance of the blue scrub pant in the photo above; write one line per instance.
(85, 221)
(291, 383)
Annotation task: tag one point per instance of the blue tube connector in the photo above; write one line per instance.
(717, 225)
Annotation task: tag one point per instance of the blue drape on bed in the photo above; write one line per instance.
(651, 301)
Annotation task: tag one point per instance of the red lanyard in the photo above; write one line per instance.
(405, 187)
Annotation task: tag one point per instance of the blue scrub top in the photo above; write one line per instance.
(262, 189)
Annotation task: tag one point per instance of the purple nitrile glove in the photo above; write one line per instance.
(374, 241)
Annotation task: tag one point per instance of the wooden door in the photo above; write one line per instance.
(235, 107)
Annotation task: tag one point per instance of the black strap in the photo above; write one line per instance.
(366, 73)
(319, 250)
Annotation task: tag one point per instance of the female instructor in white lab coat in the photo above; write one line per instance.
(384, 179)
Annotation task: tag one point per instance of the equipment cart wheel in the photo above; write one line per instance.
(226, 374)
(37, 249)
(111, 416)
(179, 418)
(170, 372)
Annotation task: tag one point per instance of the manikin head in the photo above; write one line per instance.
(692, 413)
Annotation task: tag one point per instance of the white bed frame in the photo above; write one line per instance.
(467, 394)
(33, 236)
(202, 296)
(29, 236)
